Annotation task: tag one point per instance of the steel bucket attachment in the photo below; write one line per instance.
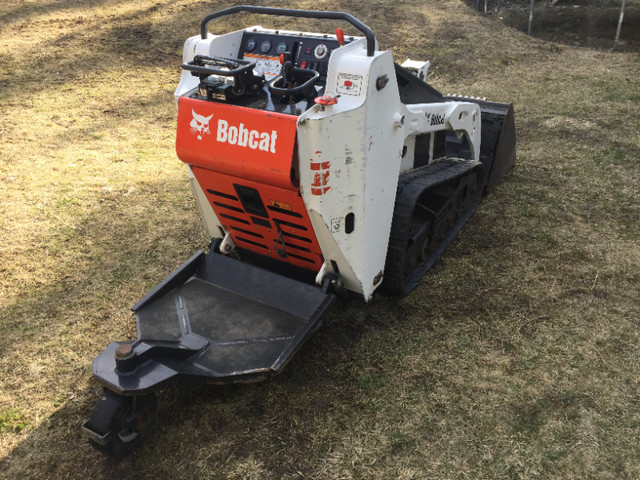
(498, 144)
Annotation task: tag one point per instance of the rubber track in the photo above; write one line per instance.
(410, 186)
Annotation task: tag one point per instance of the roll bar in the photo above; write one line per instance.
(287, 12)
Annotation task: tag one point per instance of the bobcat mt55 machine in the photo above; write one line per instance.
(317, 163)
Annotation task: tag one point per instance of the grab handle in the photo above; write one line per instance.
(287, 12)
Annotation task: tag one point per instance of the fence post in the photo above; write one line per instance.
(530, 18)
(615, 44)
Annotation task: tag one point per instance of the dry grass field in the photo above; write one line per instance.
(517, 357)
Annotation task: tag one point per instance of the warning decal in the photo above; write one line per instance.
(349, 84)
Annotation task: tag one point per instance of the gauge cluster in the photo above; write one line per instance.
(307, 52)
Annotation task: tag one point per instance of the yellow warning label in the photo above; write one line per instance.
(280, 205)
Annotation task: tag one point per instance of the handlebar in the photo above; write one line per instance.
(286, 12)
(235, 66)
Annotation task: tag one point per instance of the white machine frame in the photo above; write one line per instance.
(364, 142)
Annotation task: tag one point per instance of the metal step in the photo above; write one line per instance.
(216, 319)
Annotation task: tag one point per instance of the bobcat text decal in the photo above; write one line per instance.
(234, 135)
(436, 118)
(244, 137)
(239, 141)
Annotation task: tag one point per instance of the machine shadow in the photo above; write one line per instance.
(216, 423)
(232, 420)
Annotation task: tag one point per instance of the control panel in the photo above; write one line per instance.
(276, 71)
(310, 53)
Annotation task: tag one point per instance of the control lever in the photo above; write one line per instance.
(288, 74)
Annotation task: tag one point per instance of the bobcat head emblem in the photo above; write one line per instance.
(200, 124)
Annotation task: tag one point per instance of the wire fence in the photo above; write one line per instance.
(495, 6)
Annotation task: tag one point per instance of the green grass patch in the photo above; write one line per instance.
(615, 156)
(11, 421)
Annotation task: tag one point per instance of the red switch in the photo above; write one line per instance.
(340, 36)
(303, 64)
(326, 100)
(348, 83)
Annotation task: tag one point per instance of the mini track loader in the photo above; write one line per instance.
(317, 163)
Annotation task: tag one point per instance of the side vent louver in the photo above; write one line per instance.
(264, 219)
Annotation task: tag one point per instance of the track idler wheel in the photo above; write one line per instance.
(118, 424)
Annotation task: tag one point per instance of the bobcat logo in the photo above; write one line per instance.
(200, 124)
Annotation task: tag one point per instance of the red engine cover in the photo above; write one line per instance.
(242, 159)
(244, 142)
